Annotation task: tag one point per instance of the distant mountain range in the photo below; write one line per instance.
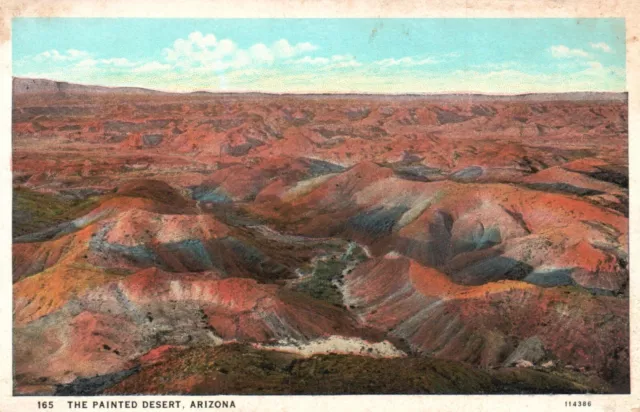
(33, 86)
(22, 86)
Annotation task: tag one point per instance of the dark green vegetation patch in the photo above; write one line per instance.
(34, 211)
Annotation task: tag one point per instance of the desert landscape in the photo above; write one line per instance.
(248, 243)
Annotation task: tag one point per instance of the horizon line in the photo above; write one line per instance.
(325, 93)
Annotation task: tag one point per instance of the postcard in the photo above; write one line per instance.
(370, 208)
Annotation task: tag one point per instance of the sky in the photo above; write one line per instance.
(497, 56)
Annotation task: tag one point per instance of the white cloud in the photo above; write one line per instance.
(76, 54)
(602, 46)
(151, 67)
(497, 65)
(118, 62)
(78, 59)
(564, 52)
(282, 48)
(199, 50)
(261, 53)
(87, 63)
(56, 56)
(334, 62)
(314, 61)
(111, 62)
(202, 41)
(407, 61)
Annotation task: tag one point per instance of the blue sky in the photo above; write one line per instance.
(326, 55)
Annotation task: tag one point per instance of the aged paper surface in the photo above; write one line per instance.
(431, 213)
